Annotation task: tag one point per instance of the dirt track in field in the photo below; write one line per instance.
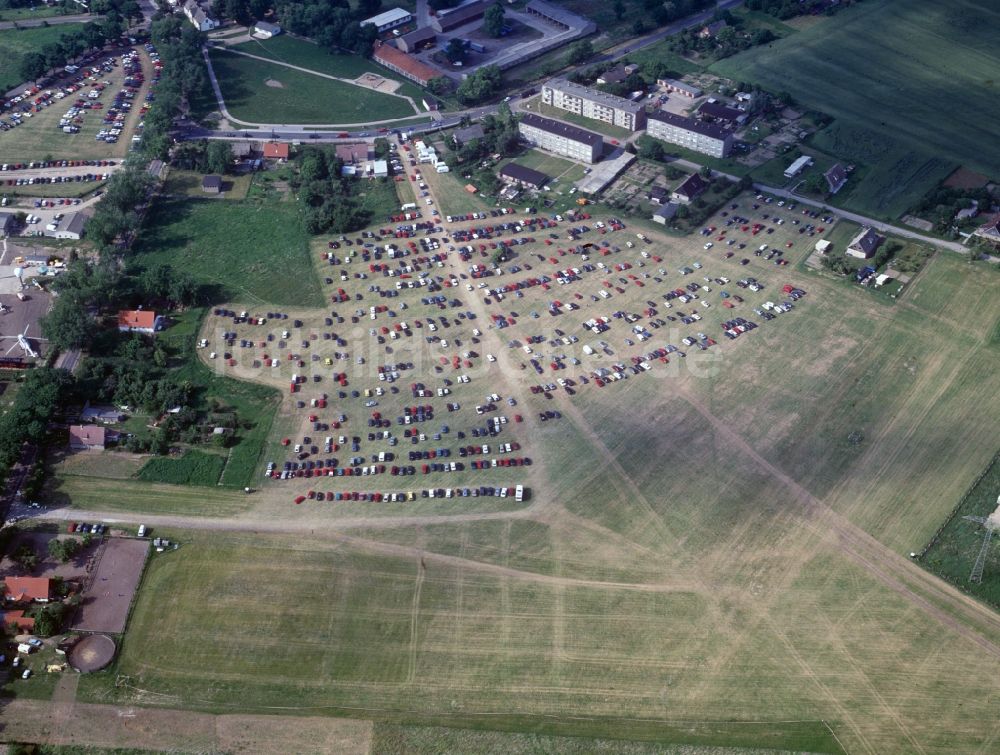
(112, 726)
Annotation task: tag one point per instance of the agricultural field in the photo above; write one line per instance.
(920, 87)
(305, 54)
(245, 251)
(14, 43)
(720, 539)
(260, 92)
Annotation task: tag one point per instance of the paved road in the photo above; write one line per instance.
(878, 225)
(51, 21)
(658, 36)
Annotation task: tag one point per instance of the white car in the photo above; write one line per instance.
(709, 245)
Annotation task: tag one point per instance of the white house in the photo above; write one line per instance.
(266, 30)
(199, 16)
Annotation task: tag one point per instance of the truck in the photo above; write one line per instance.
(142, 531)
(408, 206)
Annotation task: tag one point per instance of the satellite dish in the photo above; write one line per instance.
(19, 273)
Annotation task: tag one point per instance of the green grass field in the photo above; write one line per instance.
(300, 52)
(954, 553)
(241, 250)
(563, 172)
(301, 98)
(14, 43)
(193, 468)
(921, 87)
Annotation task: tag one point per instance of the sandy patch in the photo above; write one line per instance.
(377, 83)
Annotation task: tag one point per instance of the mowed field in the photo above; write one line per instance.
(246, 251)
(926, 85)
(305, 54)
(713, 552)
(295, 97)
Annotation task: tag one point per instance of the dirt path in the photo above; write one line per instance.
(112, 726)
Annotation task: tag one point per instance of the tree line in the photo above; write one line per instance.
(71, 44)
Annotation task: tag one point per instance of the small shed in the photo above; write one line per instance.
(211, 184)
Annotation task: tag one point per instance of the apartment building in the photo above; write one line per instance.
(592, 103)
(561, 138)
(707, 138)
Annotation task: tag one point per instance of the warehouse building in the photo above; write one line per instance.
(707, 138)
(389, 19)
(592, 103)
(460, 16)
(561, 138)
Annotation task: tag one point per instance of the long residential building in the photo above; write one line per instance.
(405, 65)
(707, 138)
(593, 103)
(561, 138)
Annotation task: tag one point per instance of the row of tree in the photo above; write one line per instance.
(333, 24)
(71, 44)
(35, 405)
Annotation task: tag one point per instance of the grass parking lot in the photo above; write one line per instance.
(907, 101)
(259, 92)
(40, 138)
(715, 539)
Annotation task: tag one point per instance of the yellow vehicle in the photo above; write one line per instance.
(328, 361)
(409, 495)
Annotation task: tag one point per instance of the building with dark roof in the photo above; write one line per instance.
(657, 195)
(690, 188)
(468, 134)
(593, 103)
(521, 174)
(561, 138)
(211, 184)
(864, 244)
(460, 16)
(707, 138)
(405, 65)
(716, 111)
(417, 40)
(836, 177)
(7, 222)
(712, 30)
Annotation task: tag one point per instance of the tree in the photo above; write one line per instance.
(68, 325)
(619, 9)
(493, 20)
(814, 183)
(649, 148)
(455, 51)
(580, 52)
(439, 86)
(33, 66)
(63, 550)
(26, 557)
(49, 620)
(219, 157)
(481, 85)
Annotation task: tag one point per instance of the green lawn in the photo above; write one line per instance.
(37, 11)
(300, 52)
(14, 43)
(250, 252)
(301, 98)
(923, 86)
(556, 168)
(193, 468)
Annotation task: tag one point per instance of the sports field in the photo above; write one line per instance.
(305, 54)
(923, 86)
(260, 92)
(713, 552)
